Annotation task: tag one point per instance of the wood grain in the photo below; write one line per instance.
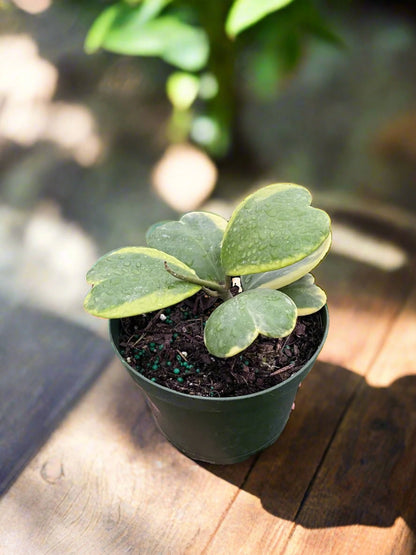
(108, 482)
(369, 474)
(284, 473)
(46, 364)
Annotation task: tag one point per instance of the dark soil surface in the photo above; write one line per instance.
(168, 348)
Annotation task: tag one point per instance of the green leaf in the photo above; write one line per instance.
(235, 324)
(195, 240)
(245, 13)
(307, 296)
(118, 15)
(100, 28)
(133, 280)
(316, 24)
(273, 228)
(277, 279)
(134, 30)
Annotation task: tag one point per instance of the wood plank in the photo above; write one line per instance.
(108, 482)
(363, 303)
(368, 478)
(275, 489)
(46, 364)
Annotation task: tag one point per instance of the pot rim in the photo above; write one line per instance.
(157, 387)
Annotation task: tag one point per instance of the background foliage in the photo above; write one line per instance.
(214, 50)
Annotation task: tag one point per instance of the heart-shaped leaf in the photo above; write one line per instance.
(195, 240)
(133, 280)
(272, 229)
(276, 279)
(235, 324)
(307, 296)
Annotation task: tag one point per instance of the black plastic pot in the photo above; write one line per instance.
(222, 430)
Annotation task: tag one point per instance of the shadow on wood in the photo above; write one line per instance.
(347, 456)
(46, 364)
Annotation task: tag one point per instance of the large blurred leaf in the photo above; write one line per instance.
(280, 41)
(235, 324)
(195, 240)
(133, 280)
(129, 30)
(313, 22)
(245, 13)
(121, 14)
(273, 228)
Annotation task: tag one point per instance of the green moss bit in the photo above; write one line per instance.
(180, 379)
(155, 366)
(168, 363)
(160, 347)
(153, 379)
(176, 371)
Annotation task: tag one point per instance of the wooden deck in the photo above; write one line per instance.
(340, 480)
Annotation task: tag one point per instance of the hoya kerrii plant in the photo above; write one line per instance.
(272, 241)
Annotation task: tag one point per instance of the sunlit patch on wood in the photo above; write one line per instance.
(366, 248)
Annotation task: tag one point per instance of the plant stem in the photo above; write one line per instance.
(211, 287)
(221, 62)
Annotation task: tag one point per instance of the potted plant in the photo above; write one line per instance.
(218, 322)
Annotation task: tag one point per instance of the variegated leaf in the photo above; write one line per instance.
(277, 279)
(307, 296)
(195, 239)
(274, 228)
(133, 280)
(235, 324)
